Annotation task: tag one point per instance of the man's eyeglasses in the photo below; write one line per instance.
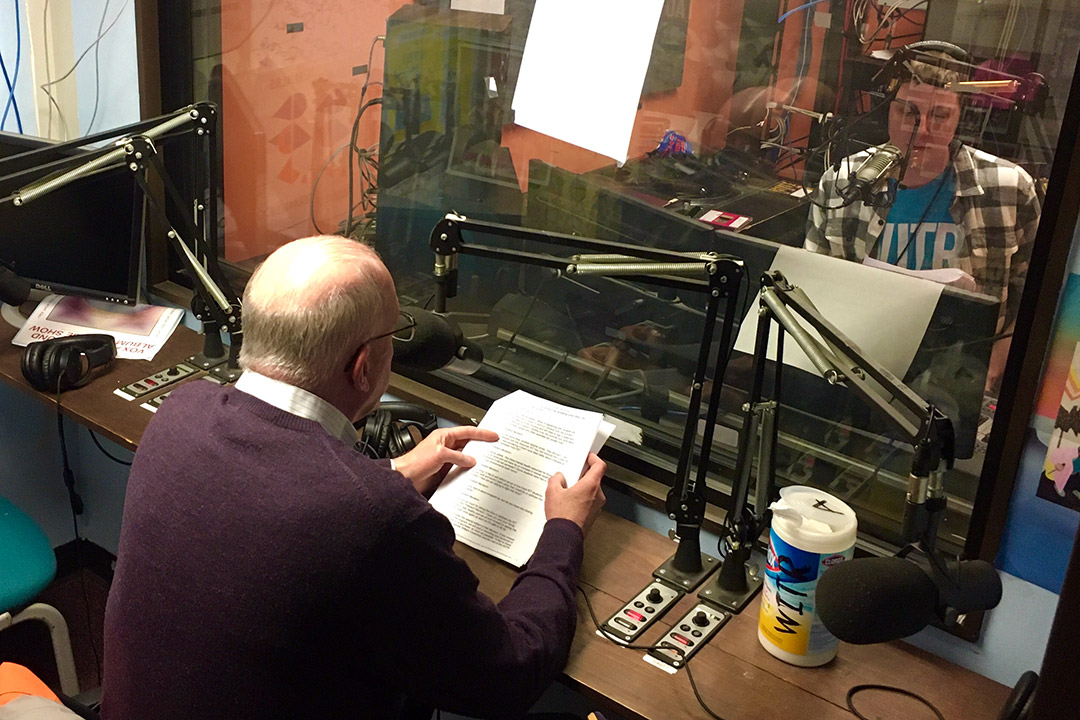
(405, 322)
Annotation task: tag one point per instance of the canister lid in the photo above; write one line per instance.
(813, 520)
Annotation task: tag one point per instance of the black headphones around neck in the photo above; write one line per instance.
(395, 428)
(65, 363)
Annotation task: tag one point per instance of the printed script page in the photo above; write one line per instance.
(497, 506)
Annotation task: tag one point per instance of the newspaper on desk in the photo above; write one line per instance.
(497, 506)
(139, 331)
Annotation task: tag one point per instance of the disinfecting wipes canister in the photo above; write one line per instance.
(811, 531)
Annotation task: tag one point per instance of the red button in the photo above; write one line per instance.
(635, 615)
(681, 638)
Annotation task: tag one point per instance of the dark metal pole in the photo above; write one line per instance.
(1058, 694)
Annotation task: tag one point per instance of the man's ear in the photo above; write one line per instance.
(358, 371)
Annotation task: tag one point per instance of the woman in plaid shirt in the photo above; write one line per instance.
(955, 206)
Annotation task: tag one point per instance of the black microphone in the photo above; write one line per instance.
(436, 342)
(878, 599)
(871, 174)
(13, 289)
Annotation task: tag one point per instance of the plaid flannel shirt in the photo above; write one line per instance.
(995, 206)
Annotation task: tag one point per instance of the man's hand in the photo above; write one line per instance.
(580, 503)
(427, 464)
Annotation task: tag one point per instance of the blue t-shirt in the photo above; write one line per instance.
(939, 239)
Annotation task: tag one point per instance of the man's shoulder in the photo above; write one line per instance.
(193, 392)
(186, 403)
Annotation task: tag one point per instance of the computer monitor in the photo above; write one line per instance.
(83, 239)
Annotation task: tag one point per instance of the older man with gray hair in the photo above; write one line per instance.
(268, 569)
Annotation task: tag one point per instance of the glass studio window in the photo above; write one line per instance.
(747, 132)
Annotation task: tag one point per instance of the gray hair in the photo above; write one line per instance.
(306, 338)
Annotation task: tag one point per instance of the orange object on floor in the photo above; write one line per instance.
(16, 681)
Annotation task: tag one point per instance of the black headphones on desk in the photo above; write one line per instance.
(395, 428)
(65, 363)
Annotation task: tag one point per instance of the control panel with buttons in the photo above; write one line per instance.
(643, 610)
(688, 635)
(157, 382)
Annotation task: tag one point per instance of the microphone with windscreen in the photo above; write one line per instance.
(878, 599)
(13, 289)
(872, 175)
(435, 343)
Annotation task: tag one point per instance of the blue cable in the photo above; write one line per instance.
(11, 91)
(11, 81)
(784, 17)
(18, 58)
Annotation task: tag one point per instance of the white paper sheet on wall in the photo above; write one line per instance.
(884, 313)
(583, 68)
(495, 7)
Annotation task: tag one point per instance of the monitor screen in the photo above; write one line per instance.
(83, 239)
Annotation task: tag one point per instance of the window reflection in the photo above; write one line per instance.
(375, 119)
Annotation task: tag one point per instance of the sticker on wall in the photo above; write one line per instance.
(1060, 481)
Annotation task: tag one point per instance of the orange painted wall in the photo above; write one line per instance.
(288, 102)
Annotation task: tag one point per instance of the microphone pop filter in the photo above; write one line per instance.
(878, 599)
(970, 586)
(428, 346)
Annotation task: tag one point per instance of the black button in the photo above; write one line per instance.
(696, 633)
(639, 604)
(684, 627)
(701, 619)
(655, 596)
(625, 623)
(650, 609)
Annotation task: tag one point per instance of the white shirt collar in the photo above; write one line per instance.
(299, 402)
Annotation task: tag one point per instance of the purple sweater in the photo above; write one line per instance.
(268, 570)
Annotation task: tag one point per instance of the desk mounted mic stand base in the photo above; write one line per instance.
(226, 369)
(203, 362)
(684, 580)
(222, 363)
(727, 590)
(213, 352)
(226, 374)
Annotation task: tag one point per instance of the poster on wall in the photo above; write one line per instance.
(1060, 481)
(1043, 517)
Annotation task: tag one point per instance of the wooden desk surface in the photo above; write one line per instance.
(95, 405)
(734, 674)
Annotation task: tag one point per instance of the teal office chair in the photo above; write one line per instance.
(27, 565)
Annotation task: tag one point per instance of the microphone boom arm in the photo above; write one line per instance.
(842, 362)
(718, 276)
(215, 303)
